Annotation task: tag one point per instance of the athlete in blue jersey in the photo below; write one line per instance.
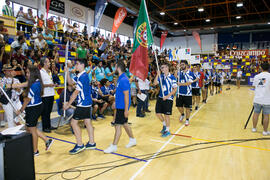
(168, 87)
(83, 108)
(229, 79)
(32, 105)
(196, 90)
(207, 83)
(184, 93)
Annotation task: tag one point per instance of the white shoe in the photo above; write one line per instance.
(187, 123)
(132, 142)
(111, 149)
(181, 118)
(254, 130)
(266, 133)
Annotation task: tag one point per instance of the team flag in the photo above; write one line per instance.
(143, 38)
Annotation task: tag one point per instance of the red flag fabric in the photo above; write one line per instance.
(48, 6)
(197, 38)
(163, 37)
(119, 17)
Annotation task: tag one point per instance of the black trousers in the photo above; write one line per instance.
(46, 112)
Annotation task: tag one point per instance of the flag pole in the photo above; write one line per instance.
(178, 77)
(161, 86)
(65, 83)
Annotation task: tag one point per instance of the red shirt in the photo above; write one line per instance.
(20, 58)
(201, 79)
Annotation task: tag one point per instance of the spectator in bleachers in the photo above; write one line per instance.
(102, 47)
(40, 23)
(50, 25)
(69, 26)
(105, 91)
(18, 69)
(34, 35)
(31, 55)
(100, 72)
(48, 38)
(20, 42)
(109, 71)
(3, 31)
(7, 10)
(60, 27)
(84, 32)
(21, 20)
(18, 55)
(30, 21)
(40, 43)
(129, 42)
(104, 56)
(82, 51)
(76, 27)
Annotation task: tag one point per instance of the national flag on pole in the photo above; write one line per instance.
(143, 38)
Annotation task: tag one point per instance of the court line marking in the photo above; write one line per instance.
(154, 140)
(244, 146)
(164, 145)
(130, 157)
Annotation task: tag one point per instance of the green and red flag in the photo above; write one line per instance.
(142, 39)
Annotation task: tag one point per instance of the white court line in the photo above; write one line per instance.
(154, 140)
(166, 143)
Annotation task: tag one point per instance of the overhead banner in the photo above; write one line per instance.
(99, 10)
(195, 59)
(119, 17)
(258, 52)
(48, 7)
(180, 54)
(57, 6)
(163, 38)
(197, 38)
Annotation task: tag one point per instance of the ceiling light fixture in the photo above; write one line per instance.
(207, 20)
(200, 9)
(239, 4)
(238, 17)
(211, 28)
(268, 23)
(185, 30)
(176, 23)
(162, 13)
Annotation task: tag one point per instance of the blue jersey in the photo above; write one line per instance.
(195, 76)
(206, 78)
(168, 83)
(82, 85)
(122, 85)
(218, 77)
(105, 90)
(112, 88)
(94, 92)
(229, 75)
(35, 94)
(185, 77)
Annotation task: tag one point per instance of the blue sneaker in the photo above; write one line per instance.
(77, 149)
(166, 134)
(90, 146)
(94, 117)
(100, 116)
(163, 130)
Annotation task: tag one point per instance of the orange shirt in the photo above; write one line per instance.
(40, 23)
(50, 24)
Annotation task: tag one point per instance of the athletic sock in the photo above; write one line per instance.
(168, 129)
(183, 114)
(164, 123)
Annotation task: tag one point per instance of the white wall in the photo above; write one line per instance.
(207, 41)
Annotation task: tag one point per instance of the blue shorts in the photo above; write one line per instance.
(259, 107)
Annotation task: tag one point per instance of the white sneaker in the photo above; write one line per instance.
(111, 149)
(181, 118)
(187, 123)
(254, 130)
(132, 142)
(266, 133)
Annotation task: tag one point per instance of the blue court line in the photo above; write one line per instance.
(99, 149)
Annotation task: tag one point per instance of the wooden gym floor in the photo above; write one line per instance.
(214, 146)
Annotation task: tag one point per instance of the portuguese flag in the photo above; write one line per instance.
(142, 39)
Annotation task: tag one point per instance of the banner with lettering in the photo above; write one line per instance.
(195, 59)
(99, 10)
(119, 17)
(180, 54)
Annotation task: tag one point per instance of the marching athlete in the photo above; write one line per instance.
(164, 104)
(196, 90)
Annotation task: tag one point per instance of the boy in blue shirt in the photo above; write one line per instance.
(168, 87)
(184, 94)
(196, 90)
(122, 104)
(83, 107)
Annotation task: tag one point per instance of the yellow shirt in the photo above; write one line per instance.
(60, 26)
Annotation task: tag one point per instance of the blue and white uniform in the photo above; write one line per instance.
(168, 83)
(185, 77)
(35, 94)
(112, 88)
(196, 84)
(82, 85)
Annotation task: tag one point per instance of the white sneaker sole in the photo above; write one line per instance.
(47, 149)
(129, 146)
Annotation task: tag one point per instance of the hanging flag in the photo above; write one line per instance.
(197, 38)
(143, 39)
(48, 7)
(99, 10)
(163, 37)
(119, 17)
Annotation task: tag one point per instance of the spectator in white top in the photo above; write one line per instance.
(69, 26)
(142, 88)
(40, 43)
(48, 94)
(21, 20)
(19, 43)
(262, 98)
(238, 78)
